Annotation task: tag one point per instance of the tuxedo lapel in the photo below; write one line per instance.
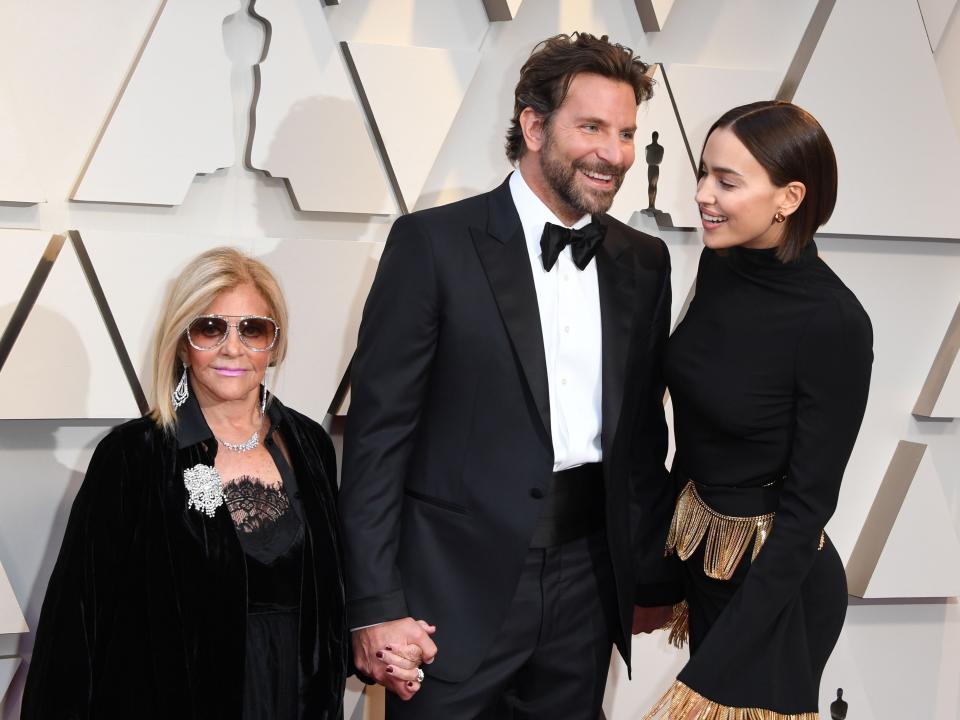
(503, 253)
(617, 285)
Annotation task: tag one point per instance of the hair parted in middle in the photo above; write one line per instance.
(546, 76)
(203, 278)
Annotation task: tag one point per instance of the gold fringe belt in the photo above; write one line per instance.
(682, 703)
(727, 537)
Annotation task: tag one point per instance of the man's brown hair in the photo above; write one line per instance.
(546, 76)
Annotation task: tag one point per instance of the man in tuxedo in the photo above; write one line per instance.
(504, 500)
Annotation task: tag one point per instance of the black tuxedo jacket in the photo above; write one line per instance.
(447, 447)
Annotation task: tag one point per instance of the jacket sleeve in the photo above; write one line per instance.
(74, 626)
(832, 379)
(389, 377)
(657, 579)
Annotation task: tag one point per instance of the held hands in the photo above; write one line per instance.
(648, 619)
(391, 653)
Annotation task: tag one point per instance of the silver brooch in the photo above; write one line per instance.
(203, 485)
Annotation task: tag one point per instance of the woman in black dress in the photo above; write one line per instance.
(199, 575)
(768, 373)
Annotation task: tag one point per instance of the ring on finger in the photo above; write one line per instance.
(420, 675)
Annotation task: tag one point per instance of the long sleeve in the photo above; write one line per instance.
(390, 371)
(74, 624)
(832, 373)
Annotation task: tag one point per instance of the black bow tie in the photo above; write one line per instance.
(583, 243)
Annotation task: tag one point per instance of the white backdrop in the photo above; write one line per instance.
(110, 109)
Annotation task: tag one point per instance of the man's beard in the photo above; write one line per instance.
(561, 176)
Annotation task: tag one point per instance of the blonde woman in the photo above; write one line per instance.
(199, 575)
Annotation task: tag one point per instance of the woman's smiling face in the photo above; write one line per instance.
(736, 198)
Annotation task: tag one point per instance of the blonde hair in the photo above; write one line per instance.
(193, 290)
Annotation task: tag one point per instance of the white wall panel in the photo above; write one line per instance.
(414, 94)
(326, 284)
(498, 10)
(18, 181)
(310, 128)
(8, 667)
(653, 13)
(11, 617)
(914, 564)
(936, 15)
(174, 119)
(704, 93)
(425, 23)
(886, 120)
(63, 364)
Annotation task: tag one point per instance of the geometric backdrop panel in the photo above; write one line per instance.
(893, 557)
(18, 183)
(704, 93)
(174, 118)
(11, 617)
(8, 668)
(326, 284)
(63, 363)
(873, 84)
(310, 128)
(940, 395)
(413, 94)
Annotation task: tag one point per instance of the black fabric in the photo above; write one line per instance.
(573, 506)
(549, 659)
(768, 373)
(447, 448)
(583, 243)
(146, 610)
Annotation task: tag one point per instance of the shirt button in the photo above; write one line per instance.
(566, 328)
(563, 381)
(536, 493)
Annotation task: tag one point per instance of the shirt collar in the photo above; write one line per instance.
(192, 426)
(534, 214)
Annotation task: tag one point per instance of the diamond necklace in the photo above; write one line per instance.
(245, 446)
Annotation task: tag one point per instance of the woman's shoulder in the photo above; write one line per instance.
(836, 305)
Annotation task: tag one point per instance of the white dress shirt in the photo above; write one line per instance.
(569, 303)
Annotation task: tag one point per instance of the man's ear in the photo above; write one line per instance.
(532, 125)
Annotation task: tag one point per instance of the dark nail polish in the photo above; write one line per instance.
(379, 654)
(389, 668)
(409, 683)
(388, 648)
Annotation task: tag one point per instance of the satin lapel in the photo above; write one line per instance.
(617, 281)
(503, 253)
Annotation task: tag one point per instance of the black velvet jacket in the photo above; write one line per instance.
(145, 612)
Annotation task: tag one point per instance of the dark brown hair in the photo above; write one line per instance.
(546, 76)
(792, 147)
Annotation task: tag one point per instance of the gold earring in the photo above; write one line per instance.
(779, 217)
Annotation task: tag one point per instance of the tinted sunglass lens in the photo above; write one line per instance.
(258, 333)
(207, 332)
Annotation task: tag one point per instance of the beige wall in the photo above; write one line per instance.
(88, 92)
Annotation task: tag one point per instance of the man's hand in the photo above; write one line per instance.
(648, 619)
(391, 652)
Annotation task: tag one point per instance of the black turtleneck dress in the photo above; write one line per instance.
(768, 374)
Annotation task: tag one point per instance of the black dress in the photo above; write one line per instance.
(768, 373)
(271, 533)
